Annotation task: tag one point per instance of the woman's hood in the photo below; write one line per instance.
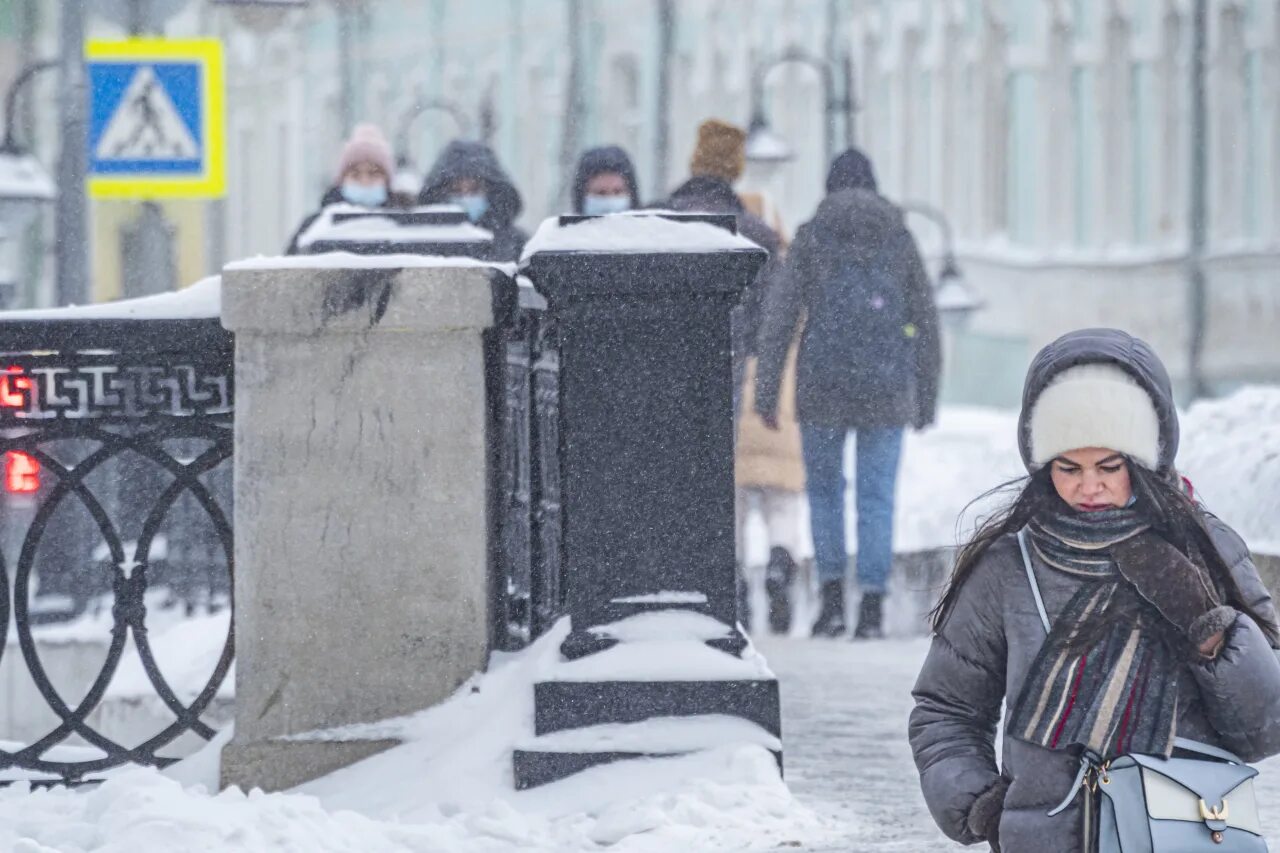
(1103, 346)
(465, 159)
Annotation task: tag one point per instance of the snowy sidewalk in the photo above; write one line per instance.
(844, 731)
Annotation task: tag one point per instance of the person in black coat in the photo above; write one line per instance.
(468, 174)
(363, 177)
(605, 182)
(869, 362)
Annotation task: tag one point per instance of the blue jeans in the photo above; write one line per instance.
(878, 450)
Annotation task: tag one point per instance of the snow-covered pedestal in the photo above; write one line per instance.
(360, 501)
(656, 660)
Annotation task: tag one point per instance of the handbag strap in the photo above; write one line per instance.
(1031, 579)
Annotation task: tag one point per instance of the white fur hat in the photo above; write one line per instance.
(1095, 405)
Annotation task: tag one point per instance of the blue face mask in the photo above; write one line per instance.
(475, 205)
(598, 205)
(365, 195)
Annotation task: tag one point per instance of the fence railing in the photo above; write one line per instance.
(116, 437)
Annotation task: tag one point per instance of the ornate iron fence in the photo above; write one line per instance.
(117, 443)
(524, 453)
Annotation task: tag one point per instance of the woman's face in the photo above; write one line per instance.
(608, 183)
(365, 174)
(1092, 479)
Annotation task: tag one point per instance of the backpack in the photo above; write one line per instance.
(858, 339)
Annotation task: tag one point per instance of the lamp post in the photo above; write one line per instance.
(955, 300)
(768, 147)
(406, 179)
(24, 183)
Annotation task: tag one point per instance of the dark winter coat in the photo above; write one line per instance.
(981, 657)
(850, 225)
(707, 194)
(607, 158)
(332, 196)
(462, 159)
(982, 653)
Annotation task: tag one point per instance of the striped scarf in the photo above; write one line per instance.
(1116, 691)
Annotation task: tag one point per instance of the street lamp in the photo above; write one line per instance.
(24, 184)
(765, 146)
(955, 300)
(406, 178)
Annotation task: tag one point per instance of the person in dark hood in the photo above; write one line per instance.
(1103, 581)
(605, 182)
(468, 174)
(869, 363)
(363, 176)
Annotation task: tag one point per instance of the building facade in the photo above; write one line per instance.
(1054, 135)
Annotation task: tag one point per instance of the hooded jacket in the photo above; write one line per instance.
(607, 158)
(857, 224)
(983, 652)
(464, 159)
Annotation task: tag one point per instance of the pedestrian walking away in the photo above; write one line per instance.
(868, 363)
(605, 182)
(1109, 612)
(362, 177)
(468, 174)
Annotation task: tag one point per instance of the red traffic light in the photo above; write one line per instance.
(21, 473)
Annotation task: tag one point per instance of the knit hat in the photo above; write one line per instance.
(1095, 405)
(721, 150)
(366, 145)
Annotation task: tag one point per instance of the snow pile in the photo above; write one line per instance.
(385, 229)
(200, 301)
(1231, 451)
(665, 645)
(447, 789)
(350, 261)
(637, 232)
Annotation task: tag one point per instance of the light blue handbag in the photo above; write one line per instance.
(1153, 804)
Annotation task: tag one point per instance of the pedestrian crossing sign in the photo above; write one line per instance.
(156, 122)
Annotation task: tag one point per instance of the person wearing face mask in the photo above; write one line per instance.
(468, 174)
(605, 182)
(363, 176)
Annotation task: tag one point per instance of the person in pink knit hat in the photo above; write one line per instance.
(362, 176)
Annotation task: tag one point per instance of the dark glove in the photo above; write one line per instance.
(1180, 590)
(984, 814)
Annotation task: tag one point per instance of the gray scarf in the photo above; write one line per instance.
(1117, 690)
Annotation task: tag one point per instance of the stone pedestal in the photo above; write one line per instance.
(360, 505)
(646, 428)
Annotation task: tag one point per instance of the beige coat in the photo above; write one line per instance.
(765, 458)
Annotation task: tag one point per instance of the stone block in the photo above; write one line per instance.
(360, 505)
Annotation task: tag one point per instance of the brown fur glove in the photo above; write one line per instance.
(1180, 590)
(984, 815)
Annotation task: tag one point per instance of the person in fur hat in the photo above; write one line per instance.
(362, 176)
(769, 472)
(1147, 622)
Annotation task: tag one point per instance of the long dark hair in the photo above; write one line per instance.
(1173, 515)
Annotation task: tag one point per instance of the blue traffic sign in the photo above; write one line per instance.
(155, 118)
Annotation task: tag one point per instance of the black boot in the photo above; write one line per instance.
(870, 617)
(831, 617)
(777, 585)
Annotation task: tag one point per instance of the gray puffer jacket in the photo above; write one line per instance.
(981, 656)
